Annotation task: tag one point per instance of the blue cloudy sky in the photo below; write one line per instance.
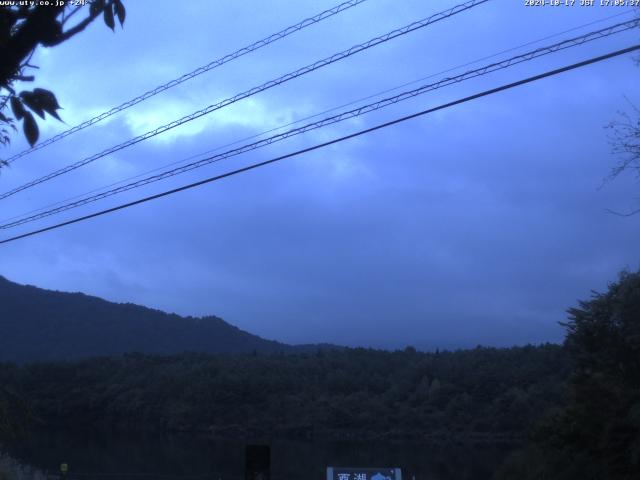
(479, 224)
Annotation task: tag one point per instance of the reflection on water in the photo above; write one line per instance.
(145, 456)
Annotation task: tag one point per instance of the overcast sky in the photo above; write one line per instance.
(479, 224)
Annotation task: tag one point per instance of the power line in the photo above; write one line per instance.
(198, 71)
(265, 86)
(330, 142)
(539, 52)
(318, 114)
(315, 115)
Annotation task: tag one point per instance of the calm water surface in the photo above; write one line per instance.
(103, 456)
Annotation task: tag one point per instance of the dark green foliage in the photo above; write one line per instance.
(23, 27)
(597, 435)
(484, 393)
(14, 413)
(30, 128)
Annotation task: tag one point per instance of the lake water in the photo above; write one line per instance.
(103, 456)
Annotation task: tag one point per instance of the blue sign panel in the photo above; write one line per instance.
(347, 473)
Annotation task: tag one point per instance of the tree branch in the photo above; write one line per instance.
(77, 29)
(38, 27)
(67, 17)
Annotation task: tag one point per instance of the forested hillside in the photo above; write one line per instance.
(355, 393)
(43, 325)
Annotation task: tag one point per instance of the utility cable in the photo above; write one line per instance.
(265, 86)
(198, 71)
(539, 52)
(330, 142)
(309, 117)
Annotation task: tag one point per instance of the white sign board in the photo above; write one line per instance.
(348, 473)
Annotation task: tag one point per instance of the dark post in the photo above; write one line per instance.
(257, 462)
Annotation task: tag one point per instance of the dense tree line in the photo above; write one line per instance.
(583, 397)
(14, 413)
(596, 435)
(355, 393)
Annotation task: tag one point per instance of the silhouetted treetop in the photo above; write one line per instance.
(23, 28)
